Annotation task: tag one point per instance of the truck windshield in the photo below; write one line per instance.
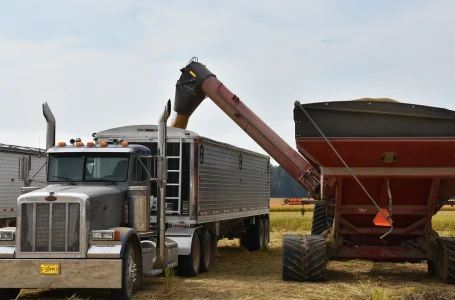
(88, 167)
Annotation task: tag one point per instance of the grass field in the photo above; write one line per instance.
(238, 274)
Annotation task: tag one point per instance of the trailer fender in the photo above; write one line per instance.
(183, 237)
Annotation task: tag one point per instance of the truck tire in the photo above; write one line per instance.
(129, 274)
(253, 238)
(7, 294)
(304, 258)
(189, 265)
(321, 221)
(206, 253)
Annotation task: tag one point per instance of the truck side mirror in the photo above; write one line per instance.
(25, 165)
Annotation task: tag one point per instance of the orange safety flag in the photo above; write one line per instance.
(379, 220)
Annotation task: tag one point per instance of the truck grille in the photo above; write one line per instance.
(50, 227)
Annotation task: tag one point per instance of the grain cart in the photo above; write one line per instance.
(90, 226)
(31, 163)
(378, 172)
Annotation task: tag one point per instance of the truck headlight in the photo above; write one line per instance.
(7, 235)
(105, 235)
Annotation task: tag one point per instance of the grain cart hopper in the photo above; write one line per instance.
(90, 226)
(377, 171)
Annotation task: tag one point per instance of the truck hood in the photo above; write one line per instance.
(80, 191)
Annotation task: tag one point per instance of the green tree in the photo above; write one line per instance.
(282, 185)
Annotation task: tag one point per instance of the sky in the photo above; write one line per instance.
(103, 64)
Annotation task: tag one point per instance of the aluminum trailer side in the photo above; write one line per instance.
(214, 190)
(10, 181)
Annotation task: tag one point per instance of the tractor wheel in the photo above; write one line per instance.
(431, 267)
(304, 258)
(321, 221)
(448, 260)
(293, 255)
(129, 275)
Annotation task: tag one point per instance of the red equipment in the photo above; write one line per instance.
(379, 172)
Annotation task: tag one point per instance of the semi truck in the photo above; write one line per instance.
(31, 163)
(133, 202)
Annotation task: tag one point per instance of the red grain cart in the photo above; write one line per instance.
(378, 171)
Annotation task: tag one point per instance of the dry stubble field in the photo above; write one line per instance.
(237, 274)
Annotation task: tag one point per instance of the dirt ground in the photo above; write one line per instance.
(237, 274)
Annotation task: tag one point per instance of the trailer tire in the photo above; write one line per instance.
(129, 274)
(321, 221)
(266, 232)
(189, 265)
(253, 238)
(6, 294)
(206, 253)
(304, 258)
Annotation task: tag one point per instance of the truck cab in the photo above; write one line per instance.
(90, 226)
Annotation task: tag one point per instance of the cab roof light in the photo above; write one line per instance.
(61, 144)
(124, 144)
(90, 144)
(103, 144)
(79, 144)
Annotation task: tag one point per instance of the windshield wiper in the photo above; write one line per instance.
(69, 180)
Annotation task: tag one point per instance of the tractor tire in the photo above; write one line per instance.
(253, 238)
(206, 253)
(448, 259)
(321, 221)
(431, 267)
(304, 258)
(293, 255)
(189, 265)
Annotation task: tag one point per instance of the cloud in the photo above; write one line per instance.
(100, 66)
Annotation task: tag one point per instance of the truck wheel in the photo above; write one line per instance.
(321, 222)
(189, 265)
(304, 258)
(6, 294)
(129, 274)
(253, 238)
(206, 253)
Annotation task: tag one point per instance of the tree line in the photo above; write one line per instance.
(282, 185)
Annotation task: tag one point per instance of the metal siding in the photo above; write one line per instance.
(225, 189)
(10, 185)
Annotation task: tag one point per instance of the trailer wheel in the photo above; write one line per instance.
(206, 253)
(321, 221)
(189, 265)
(266, 232)
(129, 275)
(304, 258)
(253, 238)
(6, 294)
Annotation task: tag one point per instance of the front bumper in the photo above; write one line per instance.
(73, 273)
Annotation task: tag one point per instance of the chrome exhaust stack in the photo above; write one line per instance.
(161, 178)
(50, 119)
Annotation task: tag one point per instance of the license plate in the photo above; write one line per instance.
(49, 269)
